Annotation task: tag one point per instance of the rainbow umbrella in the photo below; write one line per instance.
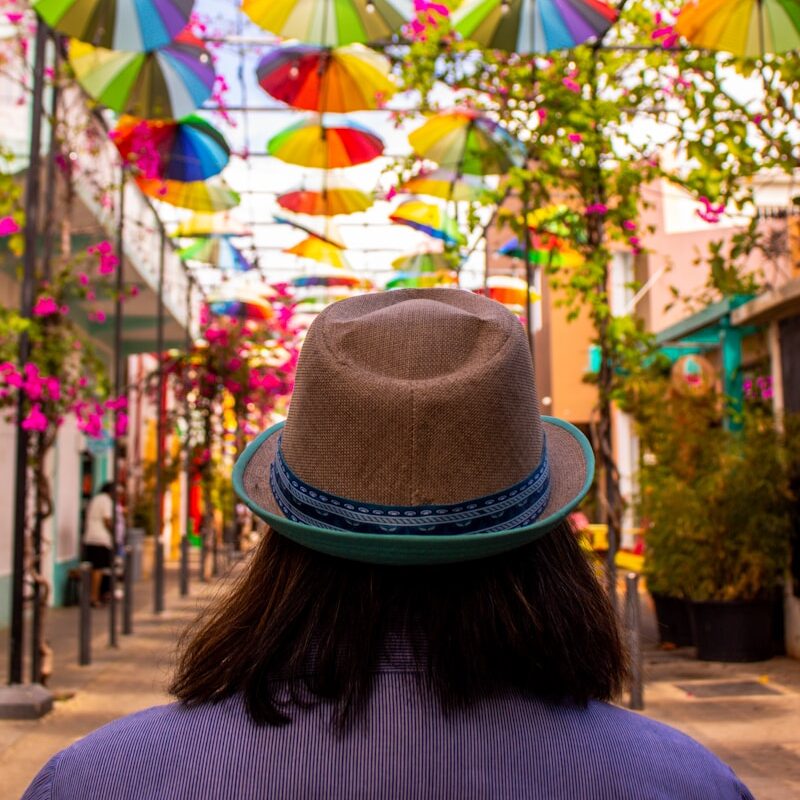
(532, 26)
(132, 25)
(189, 149)
(445, 183)
(319, 250)
(218, 252)
(197, 195)
(422, 280)
(424, 262)
(429, 219)
(509, 291)
(336, 142)
(315, 78)
(330, 202)
(545, 250)
(330, 22)
(168, 83)
(344, 279)
(205, 224)
(743, 27)
(324, 229)
(253, 308)
(465, 141)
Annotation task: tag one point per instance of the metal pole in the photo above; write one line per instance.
(184, 565)
(85, 617)
(633, 625)
(158, 582)
(16, 642)
(119, 366)
(50, 178)
(185, 551)
(127, 589)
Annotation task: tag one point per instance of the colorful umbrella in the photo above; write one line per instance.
(189, 149)
(218, 252)
(342, 279)
(197, 195)
(168, 83)
(205, 224)
(445, 183)
(424, 262)
(509, 291)
(545, 250)
(429, 219)
(132, 25)
(328, 203)
(319, 250)
(253, 308)
(532, 26)
(330, 22)
(335, 143)
(743, 27)
(324, 229)
(315, 78)
(422, 280)
(466, 141)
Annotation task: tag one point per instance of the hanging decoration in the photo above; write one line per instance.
(322, 79)
(532, 26)
(132, 25)
(168, 83)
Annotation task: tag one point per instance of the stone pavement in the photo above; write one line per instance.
(749, 714)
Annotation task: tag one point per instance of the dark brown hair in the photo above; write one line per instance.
(535, 620)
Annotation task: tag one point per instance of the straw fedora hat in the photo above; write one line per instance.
(414, 436)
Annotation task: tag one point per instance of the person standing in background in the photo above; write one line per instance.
(98, 539)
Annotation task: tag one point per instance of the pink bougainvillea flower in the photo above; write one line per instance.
(36, 420)
(8, 226)
(83, 279)
(629, 225)
(571, 85)
(45, 306)
(53, 387)
(575, 137)
(121, 426)
(134, 291)
(597, 208)
(541, 113)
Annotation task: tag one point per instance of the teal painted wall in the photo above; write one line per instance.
(60, 578)
(5, 601)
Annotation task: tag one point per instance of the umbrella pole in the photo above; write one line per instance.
(528, 271)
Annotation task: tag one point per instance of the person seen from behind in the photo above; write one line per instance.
(420, 621)
(98, 537)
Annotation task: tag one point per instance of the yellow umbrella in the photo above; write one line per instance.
(197, 195)
(319, 250)
(206, 224)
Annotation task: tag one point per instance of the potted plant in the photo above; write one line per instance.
(718, 508)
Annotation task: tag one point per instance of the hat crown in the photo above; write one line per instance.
(414, 397)
(414, 340)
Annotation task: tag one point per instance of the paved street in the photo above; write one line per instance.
(757, 734)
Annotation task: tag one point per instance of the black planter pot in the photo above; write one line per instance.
(733, 630)
(674, 620)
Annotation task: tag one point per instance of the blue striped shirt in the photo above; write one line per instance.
(509, 747)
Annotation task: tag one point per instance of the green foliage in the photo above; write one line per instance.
(716, 504)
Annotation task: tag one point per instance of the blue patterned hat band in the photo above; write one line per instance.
(515, 507)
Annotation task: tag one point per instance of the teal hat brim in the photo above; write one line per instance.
(411, 549)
